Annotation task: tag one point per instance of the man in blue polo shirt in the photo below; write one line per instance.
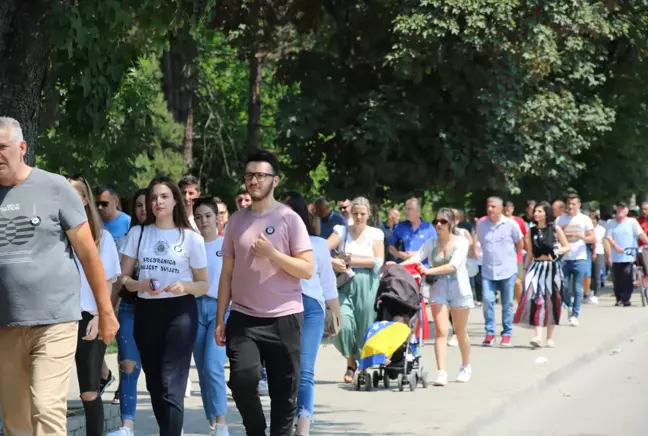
(328, 218)
(409, 236)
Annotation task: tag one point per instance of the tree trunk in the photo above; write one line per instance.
(24, 53)
(187, 145)
(254, 102)
(179, 85)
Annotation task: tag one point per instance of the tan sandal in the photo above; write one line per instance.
(349, 374)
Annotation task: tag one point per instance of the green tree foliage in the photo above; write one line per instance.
(464, 94)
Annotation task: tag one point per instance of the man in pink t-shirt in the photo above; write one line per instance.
(266, 251)
(508, 212)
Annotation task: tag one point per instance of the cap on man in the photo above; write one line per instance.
(328, 218)
(43, 220)
(115, 221)
(409, 236)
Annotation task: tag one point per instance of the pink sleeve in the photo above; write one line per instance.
(228, 239)
(298, 238)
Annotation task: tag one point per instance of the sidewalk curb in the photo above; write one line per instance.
(474, 428)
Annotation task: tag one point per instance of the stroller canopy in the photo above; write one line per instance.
(398, 286)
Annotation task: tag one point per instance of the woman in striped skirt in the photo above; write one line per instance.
(541, 302)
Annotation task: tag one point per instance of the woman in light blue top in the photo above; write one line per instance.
(317, 291)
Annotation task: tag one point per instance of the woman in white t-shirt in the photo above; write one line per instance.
(172, 272)
(317, 291)
(598, 259)
(450, 293)
(91, 349)
(209, 357)
(361, 249)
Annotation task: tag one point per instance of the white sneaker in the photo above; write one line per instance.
(221, 430)
(465, 373)
(188, 390)
(123, 431)
(441, 379)
(573, 321)
(593, 299)
(453, 341)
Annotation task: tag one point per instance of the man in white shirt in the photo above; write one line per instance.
(579, 231)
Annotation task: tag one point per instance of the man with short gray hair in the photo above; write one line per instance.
(501, 240)
(42, 224)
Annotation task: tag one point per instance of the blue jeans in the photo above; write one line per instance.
(575, 270)
(127, 350)
(312, 334)
(210, 360)
(489, 288)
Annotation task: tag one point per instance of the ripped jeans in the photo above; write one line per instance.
(312, 333)
(127, 350)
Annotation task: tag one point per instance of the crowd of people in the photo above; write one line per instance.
(181, 278)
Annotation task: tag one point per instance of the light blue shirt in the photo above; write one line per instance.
(625, 234)
(499, 256)
(119, 226)
(322, 285)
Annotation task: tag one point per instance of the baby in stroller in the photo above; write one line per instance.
(398, 301)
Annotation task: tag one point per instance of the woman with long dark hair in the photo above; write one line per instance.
(209, 357)
(130, 364)
(91, 349)
(541, 302)
(318, 291)
(172, 273)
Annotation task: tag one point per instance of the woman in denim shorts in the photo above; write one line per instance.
(450, 291)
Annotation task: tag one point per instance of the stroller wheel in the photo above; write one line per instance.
(376, 379)
(413, 380)
(358, 381)
(367, 382)
(424, 380)
(386, 382)
(400, 380)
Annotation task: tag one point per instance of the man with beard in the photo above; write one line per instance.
(266, 251)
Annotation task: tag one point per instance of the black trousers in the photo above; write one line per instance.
(165, 332)
(89, 360)
(622, 277)
(597, 266)
(276, 342)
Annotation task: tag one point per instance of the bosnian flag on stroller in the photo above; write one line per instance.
(381, 341)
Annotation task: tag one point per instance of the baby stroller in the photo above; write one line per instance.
(398, 303)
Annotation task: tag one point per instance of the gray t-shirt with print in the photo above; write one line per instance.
(39, 280)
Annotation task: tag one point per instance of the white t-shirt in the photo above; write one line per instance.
(458, 259)
(359, 247)
(321, 286)
(579, 224)
(599, 232)
(214, 250)
(164, 255)
(110, 260)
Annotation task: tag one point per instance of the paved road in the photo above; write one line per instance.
(607, 398)
(501, 377)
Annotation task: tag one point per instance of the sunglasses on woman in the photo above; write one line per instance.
(440, 221)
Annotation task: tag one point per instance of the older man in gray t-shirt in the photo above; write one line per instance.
(42, 219)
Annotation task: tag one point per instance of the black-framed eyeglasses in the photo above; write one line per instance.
(259, 176)
(440, 221)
